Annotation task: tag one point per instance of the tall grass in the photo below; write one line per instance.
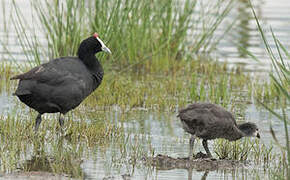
(155, 29)
(28, 41)
(143, 28)
(64, 24)
(280, 77)
(151, 35)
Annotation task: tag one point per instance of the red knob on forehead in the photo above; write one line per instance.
(96, 35)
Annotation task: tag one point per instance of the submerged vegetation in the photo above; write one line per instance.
(154, 67)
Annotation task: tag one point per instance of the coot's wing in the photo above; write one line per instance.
(44, 73)
(193, 116)
(28, 74)
(222, 115)
(59, 73)
(211, 111)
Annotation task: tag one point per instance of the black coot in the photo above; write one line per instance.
(63, 83)
(209, 121)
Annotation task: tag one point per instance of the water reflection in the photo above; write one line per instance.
(202, 177)
(243, 30)
(59, 160)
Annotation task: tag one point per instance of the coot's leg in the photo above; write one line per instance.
(37, 122)
(204, 143)
(61, 120)
(191, 143)
(204, 175)
(189, 174)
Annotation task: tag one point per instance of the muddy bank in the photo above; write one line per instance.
(34, 175)
(199, 162)
(120, 177)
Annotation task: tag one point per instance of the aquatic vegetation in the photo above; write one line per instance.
(61, 149)
(280, 77)
(180, 89)
(199, 81)
(157, 29)
(154, 68)
(95, 128)
(244, 150)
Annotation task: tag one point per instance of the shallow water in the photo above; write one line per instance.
(167, 137)
(274, 14)
(162, 131)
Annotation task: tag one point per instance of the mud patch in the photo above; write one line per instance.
(199, 162)
(122, 177)
(34, 175)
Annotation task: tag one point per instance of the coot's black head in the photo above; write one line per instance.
(250, 129)
(91, 46)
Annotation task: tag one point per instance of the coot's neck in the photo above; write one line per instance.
(244, 131)
(94, 66)
(86, 52)
(237, 134)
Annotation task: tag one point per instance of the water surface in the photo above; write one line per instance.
(147, 131)
(162, 131)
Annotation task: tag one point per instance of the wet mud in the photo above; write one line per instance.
(199, 162)
(34, 175)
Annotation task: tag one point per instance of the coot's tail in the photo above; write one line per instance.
(13, 78)
(16, 77)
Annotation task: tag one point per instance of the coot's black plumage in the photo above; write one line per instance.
(209, 121)
(63, 83)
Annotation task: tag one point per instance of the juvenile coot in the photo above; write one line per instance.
(209, 121)
(63, 83)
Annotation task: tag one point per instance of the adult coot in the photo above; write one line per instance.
(63, 83)
(209, 121)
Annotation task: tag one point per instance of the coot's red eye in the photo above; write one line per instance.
(96, 35)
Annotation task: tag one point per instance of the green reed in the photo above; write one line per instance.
(245, 150)
(150, 35)
(56, 150)
(64, 25)
(280, 77)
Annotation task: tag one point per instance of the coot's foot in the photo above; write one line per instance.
(200, 155)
